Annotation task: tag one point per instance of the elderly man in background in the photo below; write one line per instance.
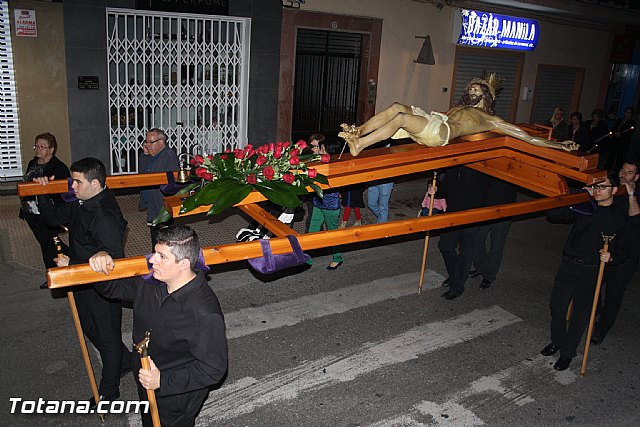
(157, 157)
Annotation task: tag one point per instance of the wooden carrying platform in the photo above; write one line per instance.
(542, 170)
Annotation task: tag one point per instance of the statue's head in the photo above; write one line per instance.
(480, 94)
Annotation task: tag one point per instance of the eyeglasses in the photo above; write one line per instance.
(599, 186)
(41, 147)
(145, 142)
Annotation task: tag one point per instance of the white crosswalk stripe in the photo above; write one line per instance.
(249, 394)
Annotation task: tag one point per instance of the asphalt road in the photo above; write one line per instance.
(359, 347)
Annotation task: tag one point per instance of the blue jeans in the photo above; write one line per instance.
(378, 200)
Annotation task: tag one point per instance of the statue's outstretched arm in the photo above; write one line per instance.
(517, 132)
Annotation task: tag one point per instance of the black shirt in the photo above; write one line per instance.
(188, 342)
(585, 238)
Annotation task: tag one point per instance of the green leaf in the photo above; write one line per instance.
(317, 189)
(230, 196)
(322, 179)
(279, 193)
(163, 216)
(208, 194)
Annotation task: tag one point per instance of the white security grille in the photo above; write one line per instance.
(10, 157)
(185, 74)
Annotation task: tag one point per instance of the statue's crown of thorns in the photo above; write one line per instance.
(491, 80)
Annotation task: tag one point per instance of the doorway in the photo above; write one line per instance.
(327, 73)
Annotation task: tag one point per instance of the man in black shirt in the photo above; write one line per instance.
(95, 224)
(576, 278)
(188, 346)
(618, 277)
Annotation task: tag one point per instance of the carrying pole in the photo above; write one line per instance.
(80, 333)
(596, 296)
(426, 238)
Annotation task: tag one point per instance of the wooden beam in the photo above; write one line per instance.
(128, 267)
(58, 186)
(266, 219)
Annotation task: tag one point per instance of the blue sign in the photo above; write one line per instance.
(498, 31)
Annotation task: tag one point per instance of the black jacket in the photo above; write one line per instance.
(95, 225)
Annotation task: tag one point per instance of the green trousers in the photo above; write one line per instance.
(328, 217)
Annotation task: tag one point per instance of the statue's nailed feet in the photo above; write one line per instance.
(351, 134)
(350, 129)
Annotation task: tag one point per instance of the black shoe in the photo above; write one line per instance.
(485, 284)
(596, 339)
(562, 363)
(92, 401)
(474, 273)
(449, 295)
(45, 285)
(549, 350)
(446, 282)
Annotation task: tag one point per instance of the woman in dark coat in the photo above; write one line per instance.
(45, 163)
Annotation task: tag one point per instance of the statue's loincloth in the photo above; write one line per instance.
(431, 135)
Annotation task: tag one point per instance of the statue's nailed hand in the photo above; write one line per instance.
(569, 145)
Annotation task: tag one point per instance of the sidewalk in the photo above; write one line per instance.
(20, 248)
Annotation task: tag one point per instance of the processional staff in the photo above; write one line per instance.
(143, 348)
(80, 333)
(605, 248)
(426, 237)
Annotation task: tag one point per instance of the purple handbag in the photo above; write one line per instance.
(269, 263)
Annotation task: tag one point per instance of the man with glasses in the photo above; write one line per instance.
(581, 256)
(618, 277)
(157, 157)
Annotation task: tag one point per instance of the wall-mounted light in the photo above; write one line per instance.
(426, 52)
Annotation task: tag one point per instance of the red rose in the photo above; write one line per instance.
(210, 156)
(261, 160)
(312, 173)
(207, 176)
(279, 145)
(268, 172)
(301, 144)
(277, 152)
(239, 154)
(249, 147)
(251, 179)
(288, 178)
(272, 146)
(324, 158)
(197, 160)
(200, 172)
(263, 149)
(294, 161)
(286, 145)
(249, 151)
(294, 152)
(223, 156)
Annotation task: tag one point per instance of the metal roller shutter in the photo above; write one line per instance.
(555, 87)
(470, 65)
(10, 155)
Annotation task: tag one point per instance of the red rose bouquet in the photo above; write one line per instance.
(277, 170)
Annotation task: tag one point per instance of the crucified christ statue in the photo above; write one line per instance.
(473, 114)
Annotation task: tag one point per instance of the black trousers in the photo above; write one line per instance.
(487, 260)
(179, 410)
(616, 279)
(575, 282)
(44, 235)
(101, 322)
(457, 248)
